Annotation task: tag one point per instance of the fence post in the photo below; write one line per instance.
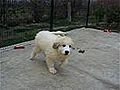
(88, 9)
(51, 15)
(69, 10)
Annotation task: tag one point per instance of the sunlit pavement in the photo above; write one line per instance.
(95, 69)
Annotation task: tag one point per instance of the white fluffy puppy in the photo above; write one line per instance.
(55, 47)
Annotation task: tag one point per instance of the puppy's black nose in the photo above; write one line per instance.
(66, 52)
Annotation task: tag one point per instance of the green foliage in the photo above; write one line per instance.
(99, 14)
(106, 16)
(113, 15)
(18, 16)
(61, 22)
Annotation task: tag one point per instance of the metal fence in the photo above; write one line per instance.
(20, 20)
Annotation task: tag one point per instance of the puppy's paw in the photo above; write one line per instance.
(52, 70)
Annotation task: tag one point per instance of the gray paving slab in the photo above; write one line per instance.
(96, 69)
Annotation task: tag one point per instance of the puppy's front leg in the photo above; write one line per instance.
(63, 63)
(50, 65)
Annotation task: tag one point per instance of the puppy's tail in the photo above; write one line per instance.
(60, 33)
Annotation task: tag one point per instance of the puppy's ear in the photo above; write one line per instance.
(56, 45)
(73, 47)
(72, 44)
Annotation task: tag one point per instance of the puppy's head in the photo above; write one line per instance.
(64, 45)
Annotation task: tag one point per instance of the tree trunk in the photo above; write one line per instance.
(69, 11)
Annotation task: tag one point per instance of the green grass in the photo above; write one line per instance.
(20, 35)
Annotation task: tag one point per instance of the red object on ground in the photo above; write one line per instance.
(19, 47)
(107, 30)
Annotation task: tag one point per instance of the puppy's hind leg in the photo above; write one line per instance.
(34, 52)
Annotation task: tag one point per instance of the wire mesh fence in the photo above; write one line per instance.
(20, 20)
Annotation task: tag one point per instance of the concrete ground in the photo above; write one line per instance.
(96, 69)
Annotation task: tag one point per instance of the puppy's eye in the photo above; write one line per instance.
(63, 45)
(70, 46)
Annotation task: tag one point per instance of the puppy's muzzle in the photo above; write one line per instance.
(66, 52)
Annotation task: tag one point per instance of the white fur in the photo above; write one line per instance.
(53, 46)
